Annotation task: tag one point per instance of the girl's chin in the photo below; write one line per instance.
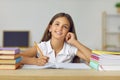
(59, 38)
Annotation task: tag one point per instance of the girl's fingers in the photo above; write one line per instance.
(67, 37)
(45, 57)
(42, 60)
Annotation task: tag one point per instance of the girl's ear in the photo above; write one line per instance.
(49, 30)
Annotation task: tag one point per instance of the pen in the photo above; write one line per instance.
(38, 48)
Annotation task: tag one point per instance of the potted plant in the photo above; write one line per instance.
(117, 5)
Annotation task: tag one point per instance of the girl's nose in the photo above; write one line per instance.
(60, 27)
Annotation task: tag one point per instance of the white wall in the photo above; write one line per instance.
(34, 15)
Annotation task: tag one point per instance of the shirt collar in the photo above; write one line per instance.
(49, 46)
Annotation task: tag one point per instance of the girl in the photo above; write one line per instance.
(59, 44)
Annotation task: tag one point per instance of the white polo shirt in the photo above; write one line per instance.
(66, 55)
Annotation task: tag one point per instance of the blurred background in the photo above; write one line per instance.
(97, 22)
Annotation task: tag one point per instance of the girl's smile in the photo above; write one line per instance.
(59, 32)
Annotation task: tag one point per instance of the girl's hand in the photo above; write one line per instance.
(70, 37)
(42, 60)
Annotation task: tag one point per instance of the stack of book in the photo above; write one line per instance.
(105, 60)
(9, 58)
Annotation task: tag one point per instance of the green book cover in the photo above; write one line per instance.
(94, 65)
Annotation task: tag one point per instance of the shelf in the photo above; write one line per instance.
(110, 32)
(112, 48)
(113, 33)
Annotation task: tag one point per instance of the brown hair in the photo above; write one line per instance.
(47, 34)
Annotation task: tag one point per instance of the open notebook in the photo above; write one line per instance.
(58, 66)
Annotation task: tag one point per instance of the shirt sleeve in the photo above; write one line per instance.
(72, 50)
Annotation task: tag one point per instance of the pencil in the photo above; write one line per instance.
(39, 50)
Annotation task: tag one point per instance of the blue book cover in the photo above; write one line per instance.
(18, 59)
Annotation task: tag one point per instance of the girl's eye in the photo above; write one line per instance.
(65, 27)
(57, 24)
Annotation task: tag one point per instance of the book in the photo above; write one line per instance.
(109, 68)
(104, 60)
(10, 61)
(9, 50)
(101, 67)
(9, 66)
(94, 65)
(58, 66)
(9, 56)
(104, 52)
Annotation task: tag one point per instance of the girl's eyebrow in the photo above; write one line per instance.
(67, 25)
(59, 22)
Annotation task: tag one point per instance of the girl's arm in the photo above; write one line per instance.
(35, 61)
(83, 52)
(29, 57)
(31, 52)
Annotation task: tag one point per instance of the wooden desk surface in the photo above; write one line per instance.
(58, 74)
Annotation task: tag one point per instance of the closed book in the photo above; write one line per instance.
(9, 56)
(94, 65)
(10, 61)
(104, 52)
(105, 62)
(9, 50)
(101, 67)
(9, 66)
(95, 57)
(109, 68)
(106, 59)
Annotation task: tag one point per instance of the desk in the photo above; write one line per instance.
(58, 74)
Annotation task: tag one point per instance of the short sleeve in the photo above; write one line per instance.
(73, 50)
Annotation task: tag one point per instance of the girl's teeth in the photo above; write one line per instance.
(59, 33)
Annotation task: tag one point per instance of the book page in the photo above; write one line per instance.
(58, 66)
(72, 66)
(48, 65)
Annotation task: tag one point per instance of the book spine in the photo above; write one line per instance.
(17, 51)
(94, 65)
(104, 52)
(9, 56)
(18, 59)
(95, 57)
(9, 50)
(12, 61)
(9, 66)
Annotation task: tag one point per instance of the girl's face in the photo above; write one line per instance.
(59, 28)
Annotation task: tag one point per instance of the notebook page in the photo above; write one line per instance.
(58, 65)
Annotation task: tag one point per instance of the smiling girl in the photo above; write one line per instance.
(58, 45)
